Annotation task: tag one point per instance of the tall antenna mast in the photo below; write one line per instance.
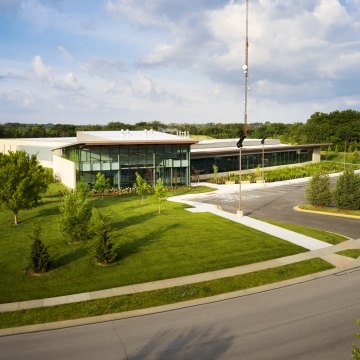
(246, 70)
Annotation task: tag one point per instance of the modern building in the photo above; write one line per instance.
(225, 155)
(176, 159)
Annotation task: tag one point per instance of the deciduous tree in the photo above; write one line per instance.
(22, 180)
(142, 187)
(75, 215)
(160, 192)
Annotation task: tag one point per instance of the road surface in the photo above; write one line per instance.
(277, 203)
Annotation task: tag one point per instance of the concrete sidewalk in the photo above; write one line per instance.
(291, 236)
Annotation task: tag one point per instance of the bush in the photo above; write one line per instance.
(40, 260)
(347, 191)
(318, 190)
(75, 215)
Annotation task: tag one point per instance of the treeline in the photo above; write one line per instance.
(338, 128)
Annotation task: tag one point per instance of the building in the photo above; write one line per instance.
(225, 155)
(176, 159)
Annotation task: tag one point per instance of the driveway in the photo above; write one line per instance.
(276, 203)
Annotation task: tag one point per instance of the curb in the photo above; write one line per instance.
(319, 212)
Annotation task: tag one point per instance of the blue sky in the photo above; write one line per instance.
(92, 62)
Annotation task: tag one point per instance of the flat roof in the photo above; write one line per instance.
(131, 137)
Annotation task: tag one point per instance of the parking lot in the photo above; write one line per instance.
(277, 203)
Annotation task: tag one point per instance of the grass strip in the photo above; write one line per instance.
(353, 253)
(322, 235)
(330, 210)
(161, 297)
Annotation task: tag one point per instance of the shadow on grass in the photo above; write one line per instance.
(48, 211)
(135, 246)
(73, 255)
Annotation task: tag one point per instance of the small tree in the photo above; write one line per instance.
(215, 170)
(142, 187)
(22, 180)
(101, 183)
(318, 191)
(102, 248)
(75, 215)
(40, 260)
(347, 191)
(160, 192)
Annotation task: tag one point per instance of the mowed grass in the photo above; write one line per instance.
(151, 246)
(322, 235)
(161, 297)
(353, 253)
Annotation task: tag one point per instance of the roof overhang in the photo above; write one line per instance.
(213, 152)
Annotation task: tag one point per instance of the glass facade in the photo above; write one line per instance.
(249, 161)
(120, 163)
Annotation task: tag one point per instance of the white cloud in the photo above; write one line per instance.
(42, 71)
(71, 82)
(182, 60)
(144, 13)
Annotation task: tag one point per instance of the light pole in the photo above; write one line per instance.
(240, 145)
(263, 156)
(345, 156)
(244, 132)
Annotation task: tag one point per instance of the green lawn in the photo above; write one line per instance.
(353, 253)
(322, 235)
(161, 297)
(151, 246)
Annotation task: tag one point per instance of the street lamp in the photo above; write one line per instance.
(240, 145)
(263, 155)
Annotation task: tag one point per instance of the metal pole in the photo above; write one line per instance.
(263, 151)
(240, 212)
(246, 69)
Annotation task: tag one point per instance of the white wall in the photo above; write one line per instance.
(64, 170)
(316, 157)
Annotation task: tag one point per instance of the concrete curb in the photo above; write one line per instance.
(319, 212)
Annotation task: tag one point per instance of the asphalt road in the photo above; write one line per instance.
(277, 203)
(314, 320)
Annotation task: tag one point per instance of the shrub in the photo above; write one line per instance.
(318, 191)
(40, 260)
(347, 191)
(75, 215)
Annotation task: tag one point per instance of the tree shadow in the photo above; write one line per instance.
(133, 220)
(196, 343)
(49, 211)
(73, 255)
(135, 246)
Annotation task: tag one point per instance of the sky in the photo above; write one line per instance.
(176, 61)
